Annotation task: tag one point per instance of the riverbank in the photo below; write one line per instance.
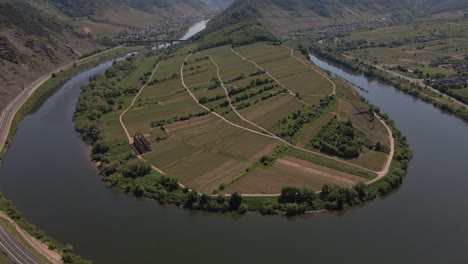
(122, 169)
(411, 88)
(27, 102)
(33, 96)
(420, 82)
(36, 241)
(89, 219)
(32, 244)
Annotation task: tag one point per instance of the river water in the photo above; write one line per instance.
(48, 176)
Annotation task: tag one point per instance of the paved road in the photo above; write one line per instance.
(15, 250)
(6, 117)
(8, 114)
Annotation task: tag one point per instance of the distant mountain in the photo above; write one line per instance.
(220, 4)
(79, 8)
(37, 36)
(282, 16)
(437, 6)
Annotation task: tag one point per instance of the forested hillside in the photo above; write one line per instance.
(38, 36)
(283, 16)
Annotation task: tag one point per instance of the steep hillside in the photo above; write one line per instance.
(37, 36)
(111, 17)
(283, 16)
(237, 25)
(32, 44)
(220, 4)
(436, 6)
(79, 8)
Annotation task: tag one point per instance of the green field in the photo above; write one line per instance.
(224, 120)
(424, 49)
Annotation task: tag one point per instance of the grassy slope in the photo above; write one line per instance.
(33, 43)
(280, 16)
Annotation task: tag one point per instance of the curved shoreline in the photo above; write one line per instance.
(36, 244)
(11, 114)
(380, 174)
(379, 186)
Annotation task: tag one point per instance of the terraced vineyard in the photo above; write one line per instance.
(227, 120)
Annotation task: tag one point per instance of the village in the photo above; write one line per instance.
(168, 27)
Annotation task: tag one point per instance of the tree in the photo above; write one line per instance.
(137, 168)
(139, 191)
(235, 201)
(220, 199)
(169, 183)
(204, 200)
(192, 197)
(294, 209)
(378, 146)
(361, 190)
(100, 147)
(326, 189)
(296, 195)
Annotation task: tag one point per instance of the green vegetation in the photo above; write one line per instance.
(411, 88)
(427, 52)
(107, 95)
(212, 155)
(342, 139)
(18, 237)
(290, 126)
(338, 139)
(237, 35)
(4, 259)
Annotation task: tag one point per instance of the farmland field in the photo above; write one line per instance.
(226, 120)
(432, 50)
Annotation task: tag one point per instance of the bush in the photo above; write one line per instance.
(296, 195)
(235, 201)
(293, 209)
(137, 168)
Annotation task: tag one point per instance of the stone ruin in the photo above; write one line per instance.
(141, 144)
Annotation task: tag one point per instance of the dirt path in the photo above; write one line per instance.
(270, 75)
(232, 106)
(133, 103)
(37, 245)
(386, 168)
(313, 68)
(269, 134)
(130, 139)
(212, 112)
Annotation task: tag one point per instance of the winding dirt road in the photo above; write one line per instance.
(124, 127)
(380, 174)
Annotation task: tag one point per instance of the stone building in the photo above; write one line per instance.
(140, 144)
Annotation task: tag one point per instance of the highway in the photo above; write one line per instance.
(8, 243)
(15, 250)
(9, 112)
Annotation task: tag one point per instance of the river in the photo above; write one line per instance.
(48, 176)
